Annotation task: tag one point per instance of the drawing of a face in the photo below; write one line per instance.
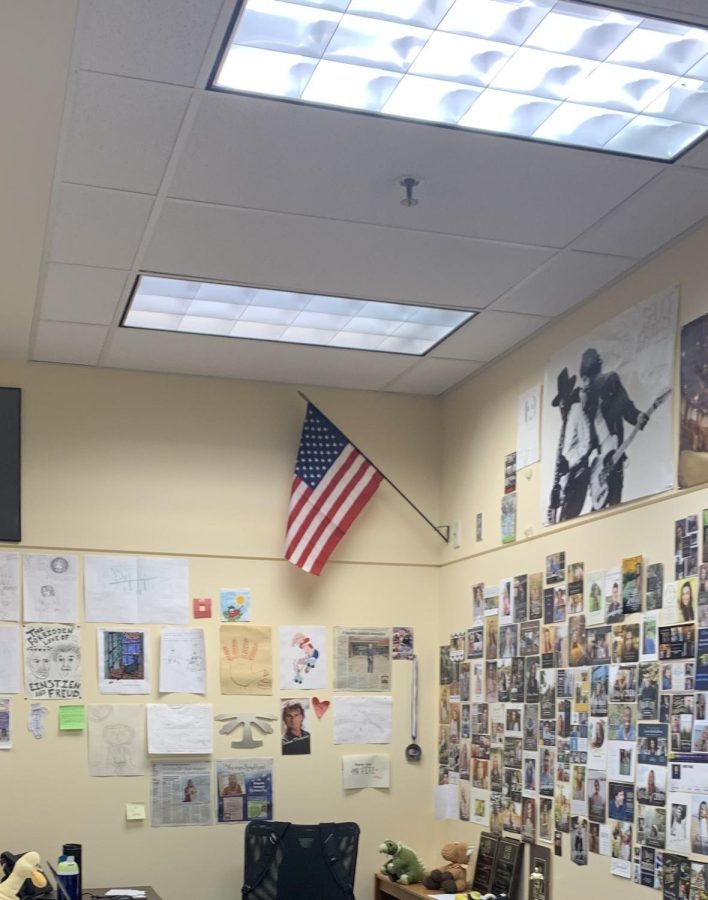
(39, 663)
(118, 734)
(67, 657)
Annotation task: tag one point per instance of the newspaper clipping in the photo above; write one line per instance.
(181, 793)
(363, 659)
(244, 789)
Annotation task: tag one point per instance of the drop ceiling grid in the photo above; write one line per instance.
(268, 154)
(254, 190)
(350, 259)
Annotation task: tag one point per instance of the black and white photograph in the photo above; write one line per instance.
(607, 413)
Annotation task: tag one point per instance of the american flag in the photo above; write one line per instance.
(333, 482)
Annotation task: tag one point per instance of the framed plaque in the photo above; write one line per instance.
(484, 867)
(507, 868)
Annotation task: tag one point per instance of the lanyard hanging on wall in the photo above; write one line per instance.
(413, 751)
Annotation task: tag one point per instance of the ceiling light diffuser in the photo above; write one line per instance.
(633, 84)
(239, 311)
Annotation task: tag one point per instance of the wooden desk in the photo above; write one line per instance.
(384, 888)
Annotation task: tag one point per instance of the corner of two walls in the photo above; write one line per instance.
(479, 429)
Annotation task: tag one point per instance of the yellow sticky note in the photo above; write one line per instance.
(135, 812)
(72, 718)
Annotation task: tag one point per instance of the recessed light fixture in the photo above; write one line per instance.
(240, 311)
(550, 70)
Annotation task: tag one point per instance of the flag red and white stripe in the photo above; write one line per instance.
(333, 482)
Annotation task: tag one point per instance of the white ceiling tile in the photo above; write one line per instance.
(563, 282)
(696, 158)
(302, 253)
(122, 131)
(163, 40)
(488, 335)
(345, 165)
(251, 360)
(674, 202)
(93, 227)
(81, 294)
(64, 342)
(432, 376)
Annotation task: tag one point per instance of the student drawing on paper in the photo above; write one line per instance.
(241, 656)
(66, 656)
(307, 661)
(46, 602)
(39, 662)
(118, 738)
(195, 663)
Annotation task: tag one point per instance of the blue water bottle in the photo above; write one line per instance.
(68, 877)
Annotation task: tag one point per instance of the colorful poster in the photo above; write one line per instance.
(244, 789)
(123, 661)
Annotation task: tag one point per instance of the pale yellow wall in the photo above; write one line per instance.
(479, 428)
(201, 468)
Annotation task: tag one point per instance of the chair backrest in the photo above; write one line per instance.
(300, 862)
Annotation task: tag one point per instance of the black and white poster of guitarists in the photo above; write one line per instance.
(607, 413)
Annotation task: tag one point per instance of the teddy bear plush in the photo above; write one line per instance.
(452, 878)
(403, 865)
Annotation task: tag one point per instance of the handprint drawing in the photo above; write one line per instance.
(245, 660)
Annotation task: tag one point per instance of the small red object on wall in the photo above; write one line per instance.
(202, 607)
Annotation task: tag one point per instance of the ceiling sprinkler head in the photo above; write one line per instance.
(408, 182)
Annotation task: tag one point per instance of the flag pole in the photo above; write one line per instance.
(444, 534)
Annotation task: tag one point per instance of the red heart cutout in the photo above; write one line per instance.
(320, 707)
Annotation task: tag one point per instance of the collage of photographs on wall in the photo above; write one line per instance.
(577, 703)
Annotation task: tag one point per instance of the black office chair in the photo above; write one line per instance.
(300, 862)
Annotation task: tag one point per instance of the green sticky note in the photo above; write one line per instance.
(135, 812)
(72, 718)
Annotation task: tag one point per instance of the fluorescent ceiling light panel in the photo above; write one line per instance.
(549, 63)
(230, 310)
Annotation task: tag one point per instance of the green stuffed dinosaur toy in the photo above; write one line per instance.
(404, 865)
